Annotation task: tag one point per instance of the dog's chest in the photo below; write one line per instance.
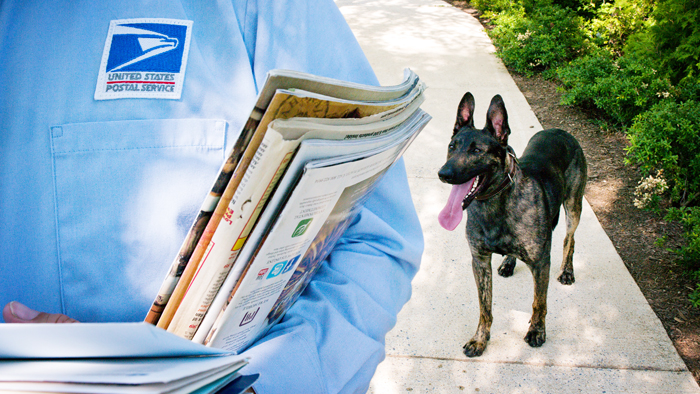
(519, 233)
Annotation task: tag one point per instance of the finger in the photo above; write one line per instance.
(52, 318)
(15, 312)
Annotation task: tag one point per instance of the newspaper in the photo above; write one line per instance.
(320, 207)
(311, 149)
(276, 79)
(283, 104)
(109, 358)
(268, 165)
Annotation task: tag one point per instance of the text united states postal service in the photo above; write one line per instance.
(144, 58)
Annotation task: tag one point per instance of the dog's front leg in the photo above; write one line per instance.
(481, 265)
(536, 335)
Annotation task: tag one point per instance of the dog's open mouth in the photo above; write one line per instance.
(460, 197)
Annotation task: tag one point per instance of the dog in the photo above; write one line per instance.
(513, 206)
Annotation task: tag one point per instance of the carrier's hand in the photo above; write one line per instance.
(14, 312)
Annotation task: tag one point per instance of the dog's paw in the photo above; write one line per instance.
(535, 338)
(507, 267)
(566, 278)
(474, 348)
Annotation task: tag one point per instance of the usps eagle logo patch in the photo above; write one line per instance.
(144, 58)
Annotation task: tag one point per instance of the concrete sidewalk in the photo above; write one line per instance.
(602, 336)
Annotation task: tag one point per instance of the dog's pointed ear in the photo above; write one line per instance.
(497, 120)
(465, 113)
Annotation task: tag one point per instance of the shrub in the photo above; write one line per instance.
(690, 253)
(615, 22)
(688, 89)
(676, 35)
(490, 7)
(631, 89)
(666, 138)
(621, 89)
(532, 43)
(579, 78)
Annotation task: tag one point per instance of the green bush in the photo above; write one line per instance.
(615, 22)
(687, 89)
(666, 138)
(579, 78)
(537, 42)
(690, 253)
(584, 8)
(491, 7)
(621, 89)
(634, 87)
(676, 35)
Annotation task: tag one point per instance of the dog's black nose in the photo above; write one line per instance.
(446, 174)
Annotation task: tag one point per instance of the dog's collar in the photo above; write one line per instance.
(512, 165)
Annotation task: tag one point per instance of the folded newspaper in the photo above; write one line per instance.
(308, 157)
(112, 358)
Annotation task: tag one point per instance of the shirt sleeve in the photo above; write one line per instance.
(332, 339)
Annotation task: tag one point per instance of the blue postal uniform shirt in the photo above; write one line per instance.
(100, 178)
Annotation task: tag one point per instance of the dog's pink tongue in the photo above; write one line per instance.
(451, 215)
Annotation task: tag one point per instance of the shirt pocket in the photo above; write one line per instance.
(126, 193)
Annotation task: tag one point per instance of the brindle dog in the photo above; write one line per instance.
(513, 205)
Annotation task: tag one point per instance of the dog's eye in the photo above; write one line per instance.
(476, 150)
